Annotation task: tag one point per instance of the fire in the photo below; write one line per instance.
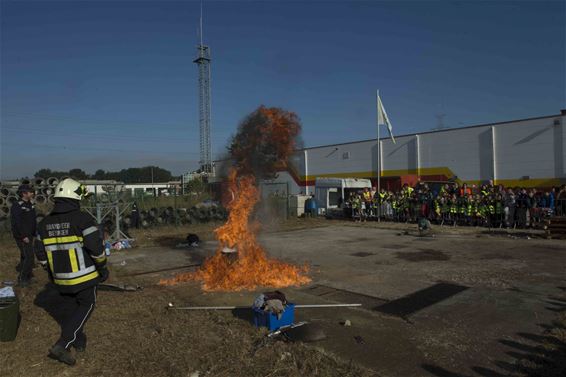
(266, 138)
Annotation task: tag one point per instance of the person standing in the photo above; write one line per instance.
(135, 216)
(23, 218)
(73, 254)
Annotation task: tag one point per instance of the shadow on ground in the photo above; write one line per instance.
(534, 355)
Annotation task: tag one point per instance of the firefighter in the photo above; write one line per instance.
(135, 216)
(23, 218)
(73, 254)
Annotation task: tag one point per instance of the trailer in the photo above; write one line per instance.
(330, 193)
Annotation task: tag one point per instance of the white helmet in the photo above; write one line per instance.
(69, 188)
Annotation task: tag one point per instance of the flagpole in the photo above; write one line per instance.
(378, 158)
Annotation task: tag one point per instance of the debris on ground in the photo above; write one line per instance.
(359, 339)
(120, 287)
(193, 240)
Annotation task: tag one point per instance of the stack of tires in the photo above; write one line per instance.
(171, 216)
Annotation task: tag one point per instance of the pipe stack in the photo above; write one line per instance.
(44, 189)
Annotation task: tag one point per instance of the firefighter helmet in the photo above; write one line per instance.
(69, 188)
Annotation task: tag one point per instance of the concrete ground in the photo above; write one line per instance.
(451, 305)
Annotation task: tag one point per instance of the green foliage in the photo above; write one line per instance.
(130, 175)
(78, 174)
(196, 186)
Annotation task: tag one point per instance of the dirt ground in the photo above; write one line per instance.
(466, 302)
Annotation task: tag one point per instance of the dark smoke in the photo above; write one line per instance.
(265, 140)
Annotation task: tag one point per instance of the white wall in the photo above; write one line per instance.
(506, 151)
(531, 148)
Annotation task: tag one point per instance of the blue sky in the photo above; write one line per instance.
(111, 84)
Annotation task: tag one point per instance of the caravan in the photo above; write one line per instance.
(330, 193)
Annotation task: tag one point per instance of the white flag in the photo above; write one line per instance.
(383, 119)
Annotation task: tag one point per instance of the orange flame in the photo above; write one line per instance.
(252, 268)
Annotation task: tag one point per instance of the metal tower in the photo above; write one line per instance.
(203, 62)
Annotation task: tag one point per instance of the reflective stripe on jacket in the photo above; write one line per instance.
(73, 248)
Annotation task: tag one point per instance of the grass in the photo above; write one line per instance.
(132, 334)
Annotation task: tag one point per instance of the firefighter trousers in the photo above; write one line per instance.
(75, 319)
(26, 260)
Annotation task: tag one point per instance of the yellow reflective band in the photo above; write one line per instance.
(73, 259)
(67, 239)
(50, 259)
(82, 279)
(100, 260)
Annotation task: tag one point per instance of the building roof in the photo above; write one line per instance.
(563, 113)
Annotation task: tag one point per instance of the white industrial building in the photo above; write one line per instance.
(526, 152)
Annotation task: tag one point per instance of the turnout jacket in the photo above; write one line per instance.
(23, 220)
(72, 247)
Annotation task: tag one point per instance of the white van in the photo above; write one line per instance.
(330, 193)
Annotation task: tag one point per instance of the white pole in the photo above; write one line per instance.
(306, 157)
(171, 306)
(328, 306)
(378, 158)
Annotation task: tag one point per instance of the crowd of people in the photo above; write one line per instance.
(486, 205)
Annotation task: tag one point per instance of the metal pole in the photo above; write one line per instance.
(171, 306)
(118, 232)
(175, 204)
(328, 305)
(378, 159)
(152, 187)
(306, 157)
(98, 213)
(287, 203)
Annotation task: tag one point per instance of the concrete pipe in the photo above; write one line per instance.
(47, 191)
(104, 198)
(38, 181)
(5, 191)
(4, 211)
(40, 199)
(25, 181)
(2, 201)
(11, 200)
(5, 225)
(51, 199)
(52, 181)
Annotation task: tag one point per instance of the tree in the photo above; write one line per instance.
(78, 174)
(99, 174)
(44, 173)
(196, 185)
(47, 173)
(130, 175)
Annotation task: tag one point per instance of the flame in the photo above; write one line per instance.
(252, 268)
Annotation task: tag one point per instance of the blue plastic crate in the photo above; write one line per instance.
(269, 320)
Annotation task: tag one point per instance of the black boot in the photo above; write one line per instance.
(61, 354)
(80, 344)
